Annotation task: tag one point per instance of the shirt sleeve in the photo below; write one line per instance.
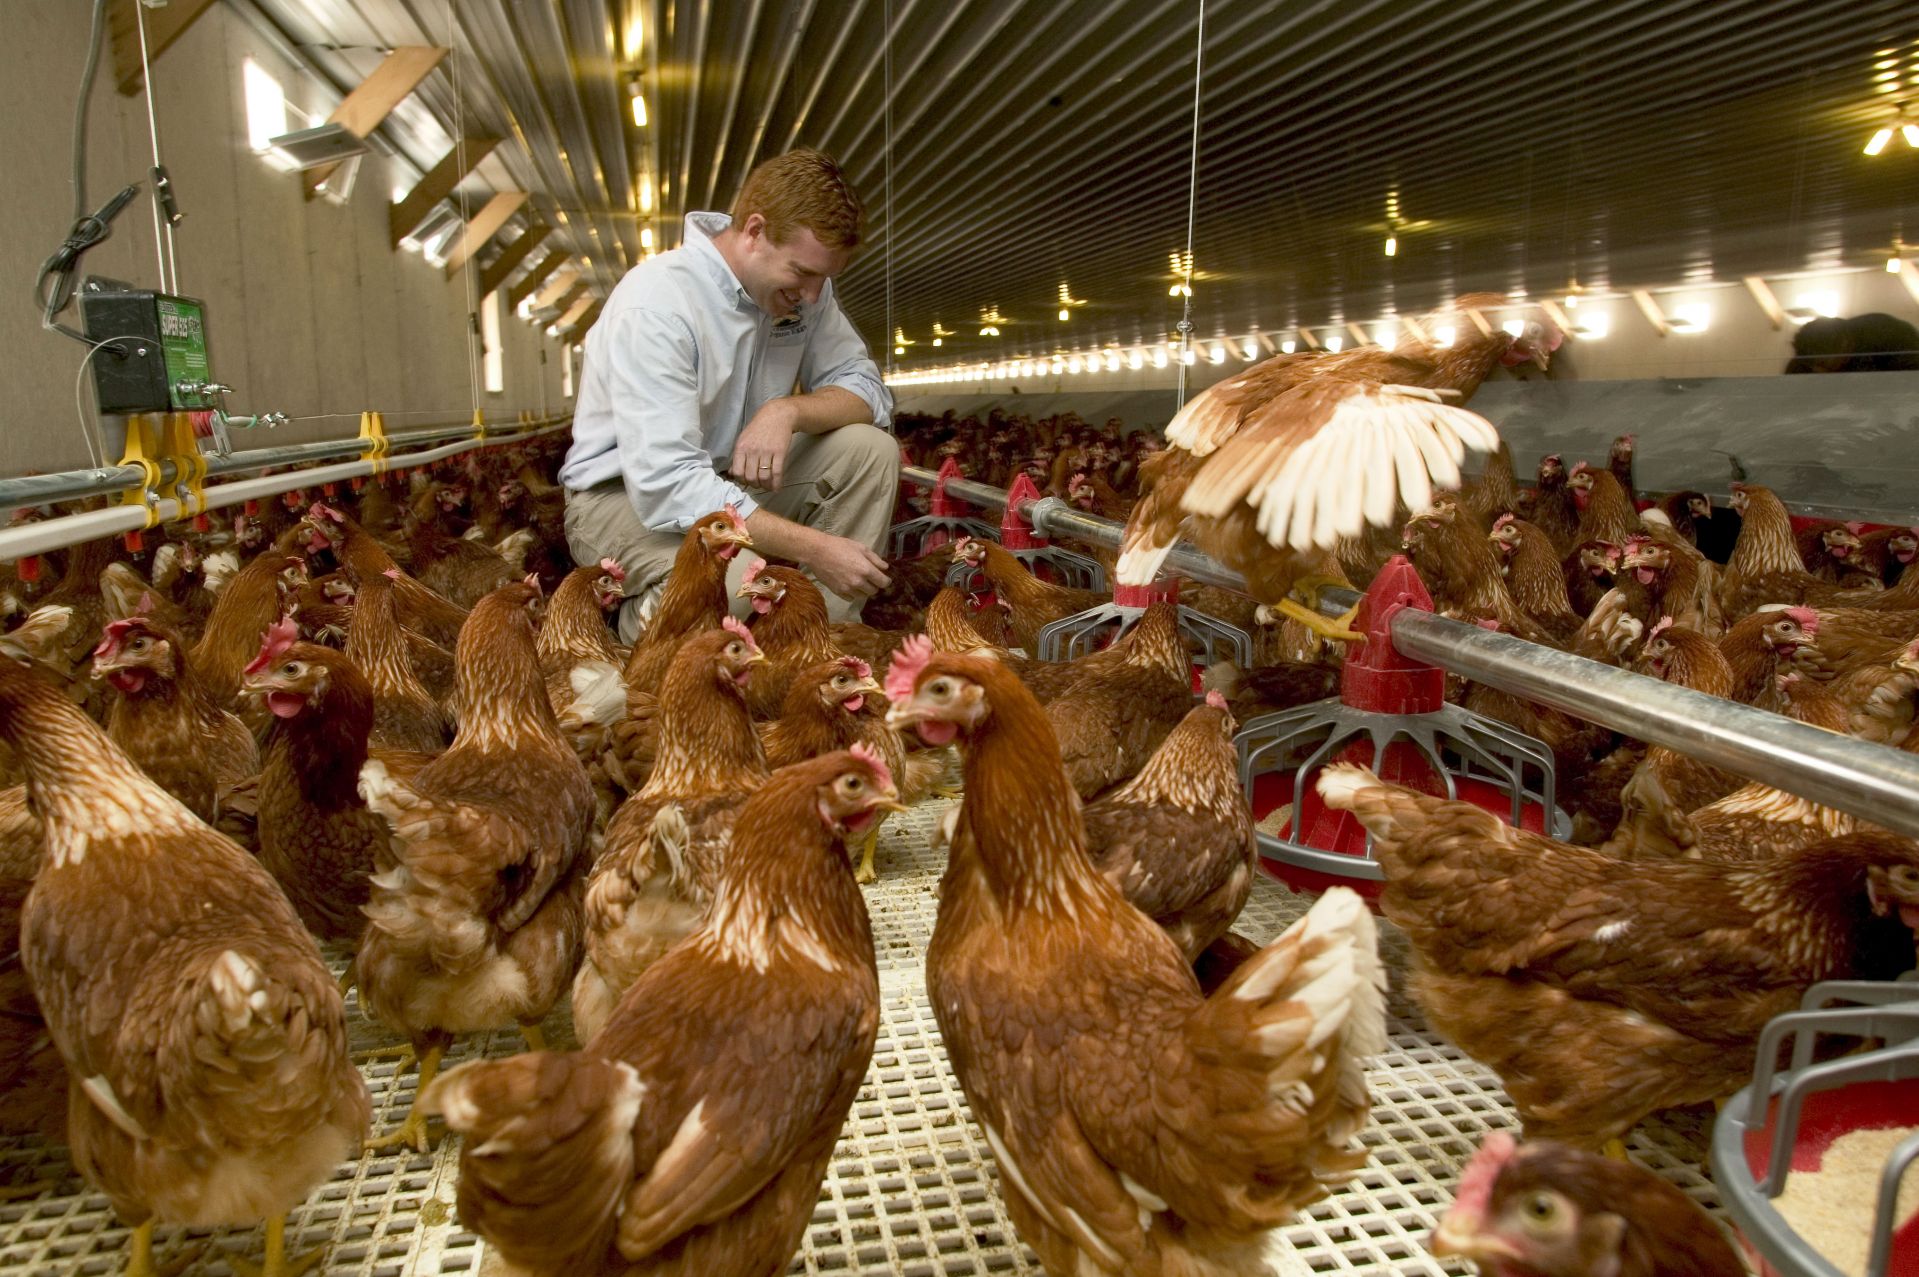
(653, 378)
(835, 356)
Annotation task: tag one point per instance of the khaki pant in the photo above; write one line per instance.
(843, 482)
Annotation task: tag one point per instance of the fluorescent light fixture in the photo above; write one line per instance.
(1810, 306)
(1217, 354)
(1392, 246)
(1444, 334)
(939, 341)
(1592, 325)
(1335, 343)
(1910, 132)
(1513, 327)
(1250, 350)
(639, 108)
(899, 350)
(492, 355)
(1288, 346)
(646, 238)
(1073, 364)
(1135, 360)
(1691, 317)
(1159, 357)
(1892, 264)
(1112, 361)
(1188, 357)
(1064, 314)
(1385, 332)
(266, 106)
(1877, 142)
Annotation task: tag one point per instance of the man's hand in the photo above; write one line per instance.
(847, 568)
(759, 456)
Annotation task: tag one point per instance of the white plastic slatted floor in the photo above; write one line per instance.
(912, 1188)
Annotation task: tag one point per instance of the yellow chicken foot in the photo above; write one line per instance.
(1615, 1149)
(868, 845)
(1338, 628)
(140, 1252)
(21, 1192)
(404, 1053)
(535, 1037)
(276, 1263)
(346, 981)
(412, 1133)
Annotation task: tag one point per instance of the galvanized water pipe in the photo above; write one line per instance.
(1866, 780)
(55, 534)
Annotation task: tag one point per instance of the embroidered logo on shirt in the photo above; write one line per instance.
(790, 329)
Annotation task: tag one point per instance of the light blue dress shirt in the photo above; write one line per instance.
(679, 362)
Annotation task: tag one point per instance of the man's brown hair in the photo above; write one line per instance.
(802, 188)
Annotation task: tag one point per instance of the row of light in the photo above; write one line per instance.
(1584, 321)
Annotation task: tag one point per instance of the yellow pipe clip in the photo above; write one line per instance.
(153, 439)
(373, 431)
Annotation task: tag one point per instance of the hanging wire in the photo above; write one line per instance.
(887, 112)
(162, 224)
(1192, 204)
(476, 332)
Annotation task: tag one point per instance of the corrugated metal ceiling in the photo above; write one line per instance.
(1511, 145)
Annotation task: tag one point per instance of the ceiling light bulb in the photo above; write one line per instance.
(1135, 360)
(1911, 133)
(899, 350)
(1187, 356)
(1251, 349)
(1063, 314)
(1159, 357)
(1444, 334)
(1514, 327)
(1892, 264)
(646, 237)
(639, 110)
(1392, 246)
(1878, 141)
(1217, 354)
(1288, 346)
(1335, 343)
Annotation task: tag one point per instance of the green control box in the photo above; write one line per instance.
(158, 357)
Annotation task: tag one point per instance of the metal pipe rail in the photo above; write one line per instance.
(1869, 781)
(55, 534)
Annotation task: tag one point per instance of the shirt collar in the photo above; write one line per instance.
(700, 230)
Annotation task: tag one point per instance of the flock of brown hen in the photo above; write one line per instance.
(395, 720)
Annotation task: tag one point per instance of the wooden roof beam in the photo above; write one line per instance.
(511, 256)
(485, 224)
(406, 216)
(579, 326)
(534, 278)
(164, 26)
(367, 107)
(559, 288)
(574, 314)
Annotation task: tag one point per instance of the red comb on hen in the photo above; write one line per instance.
(908, 663)
(279, 637)
(320, 510)
(613, 569)
(1474, 1193)
(1216, 700)
(1807, 618)
(866, 754)
(753, 572)
(113, 635)
(1665, 623)
(733, 513)
(856, 667)
(739, 631)
(1502, 521)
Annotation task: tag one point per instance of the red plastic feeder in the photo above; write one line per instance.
(1211, 638)
(945, 521)
(1391, 715)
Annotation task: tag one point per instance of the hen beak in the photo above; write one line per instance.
(907, 714)
(1459, 1234)
(737, 536)
(868, 687)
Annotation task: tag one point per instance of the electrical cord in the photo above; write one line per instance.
(53, 288)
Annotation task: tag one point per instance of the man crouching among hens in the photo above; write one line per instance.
(1140, 1129)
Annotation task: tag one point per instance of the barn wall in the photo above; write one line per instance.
(310, 312)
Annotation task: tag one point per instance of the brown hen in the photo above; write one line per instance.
(692, 1133)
